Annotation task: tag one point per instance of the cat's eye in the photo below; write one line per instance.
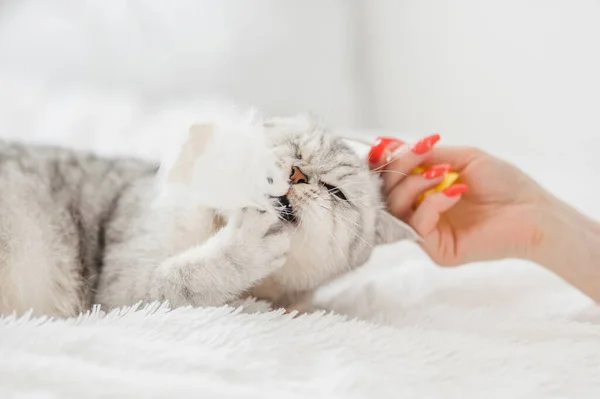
(335, 191)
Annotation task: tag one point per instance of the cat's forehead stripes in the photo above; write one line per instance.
(324, 152)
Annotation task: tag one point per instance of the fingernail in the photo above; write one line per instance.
(379, 147)
(424, 145)
(437, 171)
(455, 190)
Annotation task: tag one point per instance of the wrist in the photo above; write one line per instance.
(569, 245)
(556, 226)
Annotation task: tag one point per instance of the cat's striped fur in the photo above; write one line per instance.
(77, 229)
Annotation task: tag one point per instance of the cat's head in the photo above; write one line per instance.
(336, 203)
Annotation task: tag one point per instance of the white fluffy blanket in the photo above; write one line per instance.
(490, 330)
(506, 329)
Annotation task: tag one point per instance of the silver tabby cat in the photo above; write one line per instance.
(77, 229)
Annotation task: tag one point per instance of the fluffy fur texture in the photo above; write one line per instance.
(221, 163)
(96, 237)
(448, 345)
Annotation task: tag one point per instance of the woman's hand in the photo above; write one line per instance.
(494, 210)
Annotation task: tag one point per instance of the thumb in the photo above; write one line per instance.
(436, 242)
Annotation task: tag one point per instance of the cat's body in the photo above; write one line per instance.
(76, 229)
(56, 207)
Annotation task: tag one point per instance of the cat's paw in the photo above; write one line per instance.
(260, 237)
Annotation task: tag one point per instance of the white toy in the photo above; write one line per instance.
(225, 165)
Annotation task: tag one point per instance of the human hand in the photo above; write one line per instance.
(494, 211)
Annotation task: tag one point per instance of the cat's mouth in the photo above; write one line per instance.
(285, 209)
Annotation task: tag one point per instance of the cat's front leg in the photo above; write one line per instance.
(252, 245)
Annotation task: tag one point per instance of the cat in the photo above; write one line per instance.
(77, 229)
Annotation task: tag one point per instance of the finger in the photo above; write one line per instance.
(427, 215)
(403, 196)
(459, 157)
(381, 151)
(405, 159)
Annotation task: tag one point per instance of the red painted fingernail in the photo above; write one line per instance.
(424, 145)
(455, 190)
(437, 171)
(378, 148)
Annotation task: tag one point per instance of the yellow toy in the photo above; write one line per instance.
(449, 179)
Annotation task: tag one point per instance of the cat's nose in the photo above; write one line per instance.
(297, 177)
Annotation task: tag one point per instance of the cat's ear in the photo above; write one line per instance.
(389, 229)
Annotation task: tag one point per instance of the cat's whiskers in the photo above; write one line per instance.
(390, 171)
(395, 155)
(343, 217)
(354, 231)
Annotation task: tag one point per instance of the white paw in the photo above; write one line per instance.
(260, 238)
